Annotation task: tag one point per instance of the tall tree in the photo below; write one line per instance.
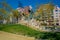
(45, 11)
(15, 14)
(5, 9)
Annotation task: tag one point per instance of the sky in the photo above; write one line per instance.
(33, 3)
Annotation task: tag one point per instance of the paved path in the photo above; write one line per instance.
(9, 36)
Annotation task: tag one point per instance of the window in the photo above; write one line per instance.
(56, 13)
(56, 10)
(57, 23)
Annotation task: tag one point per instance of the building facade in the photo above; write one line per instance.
(25, 10)
(56, 15)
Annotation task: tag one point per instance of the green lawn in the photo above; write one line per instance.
(24, 30)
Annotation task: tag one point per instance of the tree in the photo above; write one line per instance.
(5, 9)
(45, 11)
(15, 14)
(1, 17)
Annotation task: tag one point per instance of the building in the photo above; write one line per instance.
(20, 10)
(45, 13)
(27, 10)
(56, 15)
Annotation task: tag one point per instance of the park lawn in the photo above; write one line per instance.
(24, 30)
(18, 29)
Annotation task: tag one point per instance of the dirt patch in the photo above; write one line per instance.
(9, 36)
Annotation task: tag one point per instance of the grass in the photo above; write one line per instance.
(24, 30)
(18, 29)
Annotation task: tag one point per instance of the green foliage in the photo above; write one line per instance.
(24, 30)
(1, 17)
(5, 10)
(45, 12)
(16, 28)
(15, 13)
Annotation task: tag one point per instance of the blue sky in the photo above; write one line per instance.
(33, 3)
